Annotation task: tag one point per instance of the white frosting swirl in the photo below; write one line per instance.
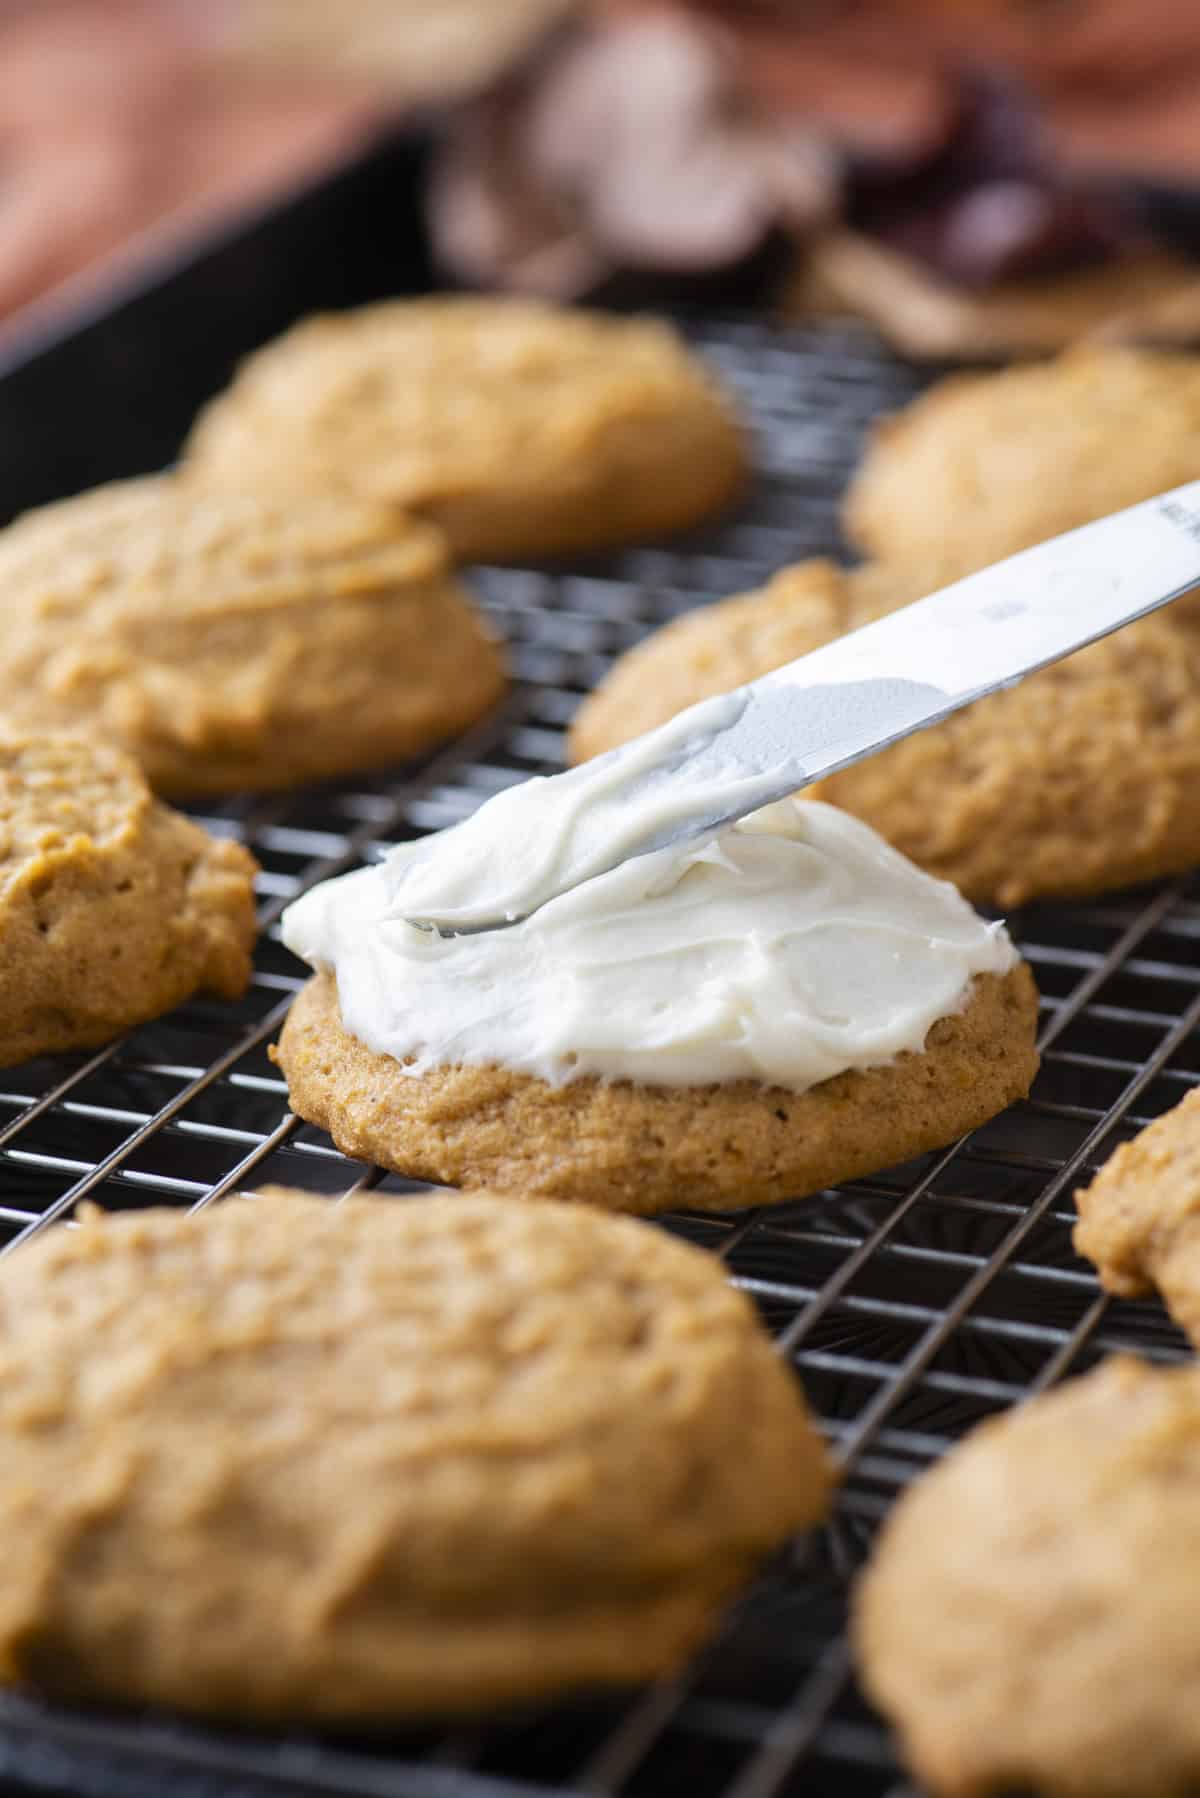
(786, 949)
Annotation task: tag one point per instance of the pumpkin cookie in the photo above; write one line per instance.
(648, 1149)
(733, 1021)
(286, 1460)
(986, 464)
(1139, 1220)
(521, 429)
(238, 641)
(1029, 1619)
(113, 908)
(1086, 776)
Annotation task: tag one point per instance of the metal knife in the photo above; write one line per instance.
(724, 758)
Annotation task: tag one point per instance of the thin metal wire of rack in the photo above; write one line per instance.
(913, 1304)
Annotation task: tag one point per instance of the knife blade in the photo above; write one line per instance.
(726, 757)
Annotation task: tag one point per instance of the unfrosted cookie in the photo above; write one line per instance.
(113, 907)
(283, 1459)
(1084, 777)
(986, 464)
(648, 1149)
(1139, 1220)
(520, 429)
(1029, 1620)
(238, 641)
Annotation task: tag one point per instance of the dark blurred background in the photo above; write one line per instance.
(858, 154)
(179, 179)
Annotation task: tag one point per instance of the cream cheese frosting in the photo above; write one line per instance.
(535, 840)
(785, 949)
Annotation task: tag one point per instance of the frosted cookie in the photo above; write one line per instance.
(986, 464)
(286, 1460)
(113, 908)
(1029, 1620)
(735, 1023)
(521, 429)
(238, 641)
(1084, 777)
(1139, 1220)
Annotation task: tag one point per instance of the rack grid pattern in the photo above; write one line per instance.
(913, 1304)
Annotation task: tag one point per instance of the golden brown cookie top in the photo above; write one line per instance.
(986, 464)
(234, 640)
(1139, 1220)
(113, 907)
(1144, 1195)
(432, 400)
(337, 1427)
(1028, 1621)
(62, 797)
(152, 551)
(85, 844)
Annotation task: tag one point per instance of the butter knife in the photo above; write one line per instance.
(726, 757)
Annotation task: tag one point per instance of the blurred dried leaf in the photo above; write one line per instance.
(1149, 297)
(628, 147)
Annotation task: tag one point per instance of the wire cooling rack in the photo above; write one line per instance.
(913, 1304)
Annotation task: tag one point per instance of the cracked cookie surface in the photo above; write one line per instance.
(1139, 1220)
(113, 907)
